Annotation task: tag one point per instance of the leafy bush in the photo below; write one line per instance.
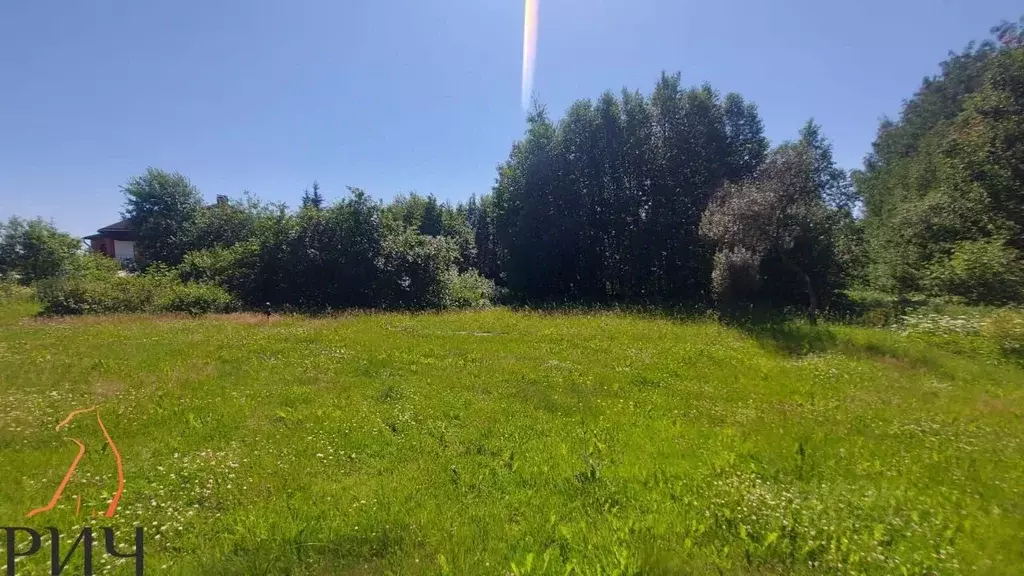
(470, 289)
(196, 298)
(95, 285)
(870, 308)
(417, 271)
(980, 271)
(11, 290)
(234, 269)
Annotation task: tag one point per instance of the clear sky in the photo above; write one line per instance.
(401, 95)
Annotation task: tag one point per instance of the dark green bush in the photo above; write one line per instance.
(417, 271)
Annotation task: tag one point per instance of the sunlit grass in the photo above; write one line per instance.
(499, 441)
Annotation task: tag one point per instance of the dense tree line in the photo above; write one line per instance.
(674, 196)
(943, 187)
(607, 204)
(355, 252)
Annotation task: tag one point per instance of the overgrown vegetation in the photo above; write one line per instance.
(942, 188)
(517, 442)
(95, 285)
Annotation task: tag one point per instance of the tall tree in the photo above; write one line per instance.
(747, 143)
(832, 182)
(523, 214)
(313, 199)
(432, 220)
(779, 213)
(947, 174)
(34, 249)
(163, 209)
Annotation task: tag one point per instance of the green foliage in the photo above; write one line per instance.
(480, 218)
(314, 200)
(735, 276)
(355, 253)
(1005, 328)
(195, 298)
(980, 271)
(96, 285)
(235, 269)
(164, 211)
(431, 222)
(470, 289)
(871, 308)
(227, 223)
(942, 186)
(417, 271)
(33, 250)
(775, 229)
(606, 203)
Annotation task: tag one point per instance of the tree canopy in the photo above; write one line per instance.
(950, 171)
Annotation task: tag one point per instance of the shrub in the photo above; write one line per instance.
(10, 290)
(981, 271)
(871, 308)
(234, 269)
(95, 285)
(734, 276)
(196, 298)
(417, 271)
(469, 289)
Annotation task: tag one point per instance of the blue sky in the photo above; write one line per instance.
(401, 95)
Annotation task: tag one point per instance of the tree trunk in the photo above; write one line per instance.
(812, 294)
(812, 297)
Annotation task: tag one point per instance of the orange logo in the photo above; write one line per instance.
(74, 464)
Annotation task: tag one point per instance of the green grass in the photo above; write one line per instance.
(498, 442)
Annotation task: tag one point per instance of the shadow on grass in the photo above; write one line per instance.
(790, 337)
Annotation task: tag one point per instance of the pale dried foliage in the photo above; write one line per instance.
(747, 220)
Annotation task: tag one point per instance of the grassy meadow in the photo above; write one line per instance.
(504, 442)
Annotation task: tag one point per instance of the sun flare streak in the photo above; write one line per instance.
(529, 49)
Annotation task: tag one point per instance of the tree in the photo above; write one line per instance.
(832, 182)
(523, 212)
(745, 135)
(606, 203)
(432, 221)
(226, 223)
(163, 209)
(945, 178)
(34, 249)
(778, 213)
(313, 200)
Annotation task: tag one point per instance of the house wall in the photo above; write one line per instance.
(124, 249)
(103, 246)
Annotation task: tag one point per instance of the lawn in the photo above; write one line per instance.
(497, 442)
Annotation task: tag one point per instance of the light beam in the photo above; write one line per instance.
(529, 49)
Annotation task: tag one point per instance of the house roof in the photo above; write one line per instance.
(124, 227)
(120, 226)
